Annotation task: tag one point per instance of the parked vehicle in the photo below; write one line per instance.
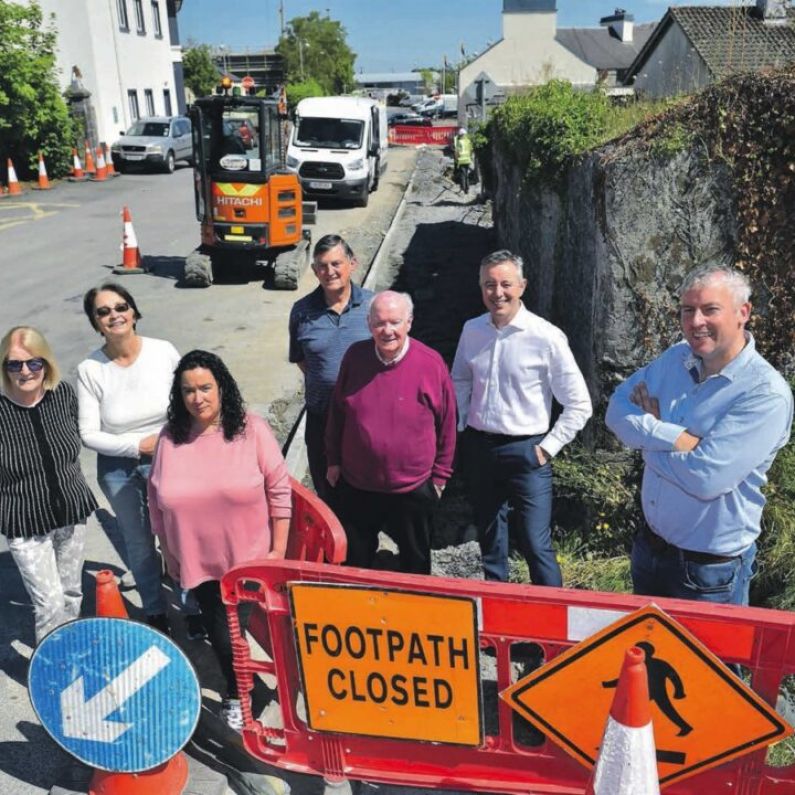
(339, 147)
(155, 141)
(409, 119)
(440, 106)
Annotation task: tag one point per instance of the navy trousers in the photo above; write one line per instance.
(510, 489)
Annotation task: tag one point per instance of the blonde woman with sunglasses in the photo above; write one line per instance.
(44, 498)
(123, 389)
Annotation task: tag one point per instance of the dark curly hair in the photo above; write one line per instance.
(233, 409)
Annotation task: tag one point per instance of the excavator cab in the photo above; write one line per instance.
(249, 206)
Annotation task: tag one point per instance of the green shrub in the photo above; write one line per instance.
(544, 128)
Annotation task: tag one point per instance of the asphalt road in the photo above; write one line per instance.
(53, 247)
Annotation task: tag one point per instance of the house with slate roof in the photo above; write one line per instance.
(694, 46)
(533, 50)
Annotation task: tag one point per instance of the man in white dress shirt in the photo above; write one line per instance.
(509, 365)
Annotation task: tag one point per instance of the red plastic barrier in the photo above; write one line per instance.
(554, 619)
(408, 135)
(315, 535)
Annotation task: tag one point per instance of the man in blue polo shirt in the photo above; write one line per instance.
(709, 416)
(323, 325)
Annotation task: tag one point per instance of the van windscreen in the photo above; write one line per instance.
(329, 133)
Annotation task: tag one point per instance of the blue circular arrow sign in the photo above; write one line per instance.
(118, 695)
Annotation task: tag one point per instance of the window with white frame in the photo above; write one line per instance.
(132, 98)
(124, 20)
(149, 98)
(156, 19)
(139, 16)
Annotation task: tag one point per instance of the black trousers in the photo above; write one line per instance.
(213, 612)
(406, 518)
(314, 438)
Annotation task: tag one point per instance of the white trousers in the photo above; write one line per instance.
(51, 566)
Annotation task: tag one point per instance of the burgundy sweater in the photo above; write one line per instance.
(391, 427)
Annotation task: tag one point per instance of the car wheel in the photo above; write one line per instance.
(170, 163)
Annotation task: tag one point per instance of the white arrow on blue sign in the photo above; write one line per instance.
(118, 695)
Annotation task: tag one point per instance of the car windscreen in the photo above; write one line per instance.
(329, 133)
(150, 129)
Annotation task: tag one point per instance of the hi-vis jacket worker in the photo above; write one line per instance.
(462, 149)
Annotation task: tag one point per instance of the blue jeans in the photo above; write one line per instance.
(123, 482)
(668, 572)
(503, 473)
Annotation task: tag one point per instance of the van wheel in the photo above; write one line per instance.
(170, 163)
(365, 199)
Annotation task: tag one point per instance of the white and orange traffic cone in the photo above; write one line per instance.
(102, 170)
(44, 182)
(131, 255)
(91, 169)
(14, 188)
(78, 175)
(109, 161)
(627, 763)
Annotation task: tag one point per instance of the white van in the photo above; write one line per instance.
(338, 147)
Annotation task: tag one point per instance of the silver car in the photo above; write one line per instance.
(156, 141)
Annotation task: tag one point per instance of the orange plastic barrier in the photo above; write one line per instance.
(506, 755)
(407, 135)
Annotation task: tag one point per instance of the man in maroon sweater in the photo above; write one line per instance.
(390, 437)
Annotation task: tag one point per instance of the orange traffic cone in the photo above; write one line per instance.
(109, 161)
(102, 169)
(44, 182)
(171, 776)
(90, 167)
(14, 188)
(78, 175)
(109, 601)
(627, 763)
(131, 254)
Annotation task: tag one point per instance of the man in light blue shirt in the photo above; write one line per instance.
(709, 416)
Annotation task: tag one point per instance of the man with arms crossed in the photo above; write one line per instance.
(390, 437)
(323, 325)
(509, 365)
(709, 416)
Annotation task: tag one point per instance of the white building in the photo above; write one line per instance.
(533, 50)
(127, 55)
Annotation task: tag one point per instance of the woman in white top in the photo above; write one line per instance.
(123, 390)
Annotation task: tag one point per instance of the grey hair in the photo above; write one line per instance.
(497, 258)
(328, 242)
(735, 280)
(406, 298)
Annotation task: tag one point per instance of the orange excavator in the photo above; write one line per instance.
(253, 218)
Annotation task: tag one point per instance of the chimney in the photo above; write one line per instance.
(772, 12)
(620, 24)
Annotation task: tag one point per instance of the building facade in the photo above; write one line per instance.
(124, 53)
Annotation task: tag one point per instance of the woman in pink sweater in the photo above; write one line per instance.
(219, 495)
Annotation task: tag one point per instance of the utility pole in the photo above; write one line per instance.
(281, 16)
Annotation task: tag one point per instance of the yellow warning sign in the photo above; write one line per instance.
(388, 663)
(703, 714)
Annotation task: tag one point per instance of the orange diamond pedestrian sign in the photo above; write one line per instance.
(703, 714)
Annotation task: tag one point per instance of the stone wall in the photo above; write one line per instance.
(606, 248)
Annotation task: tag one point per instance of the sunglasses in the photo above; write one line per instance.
(104, 311)
(16, 365)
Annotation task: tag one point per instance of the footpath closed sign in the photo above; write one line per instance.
(703, 715)
(388, 663)
(116, 694)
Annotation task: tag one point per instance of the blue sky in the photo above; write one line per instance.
(392, 35)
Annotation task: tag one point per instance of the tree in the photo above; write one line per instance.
(201, 73)
(298, 91)
(315, 47)
(33, 114)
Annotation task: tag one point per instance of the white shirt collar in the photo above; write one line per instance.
(523, 319)
(403, 351)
